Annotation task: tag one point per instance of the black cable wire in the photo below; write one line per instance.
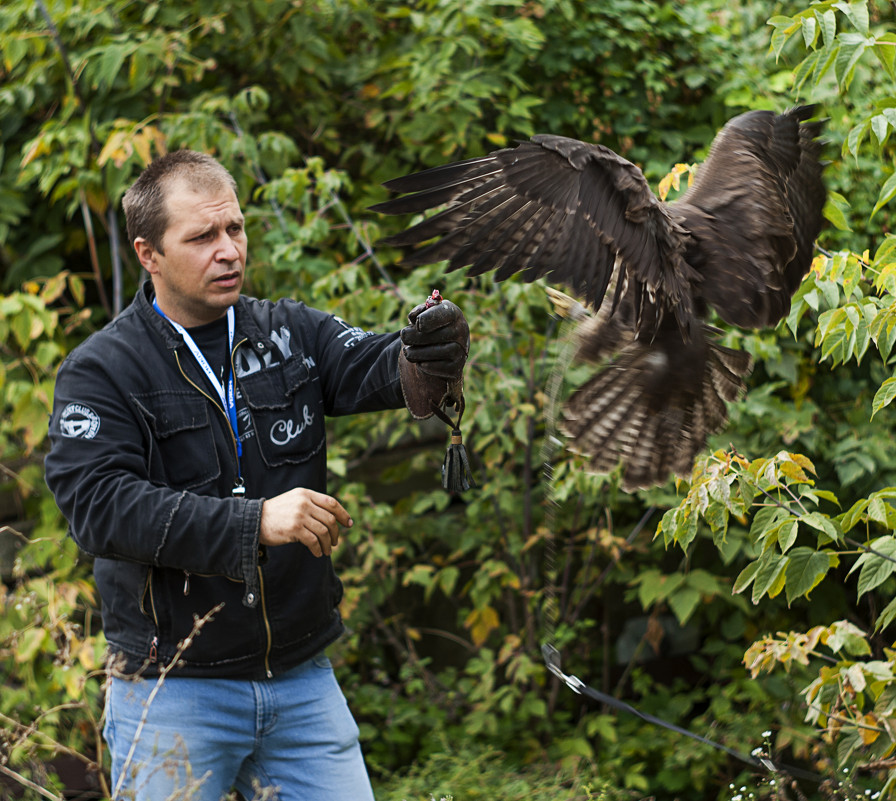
(552, 662)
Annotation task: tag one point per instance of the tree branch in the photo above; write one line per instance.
(18, 777)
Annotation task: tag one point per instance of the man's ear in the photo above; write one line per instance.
(146, 253)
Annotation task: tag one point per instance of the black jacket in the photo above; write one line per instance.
(143, 463)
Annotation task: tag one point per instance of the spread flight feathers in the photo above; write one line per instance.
(738, 241)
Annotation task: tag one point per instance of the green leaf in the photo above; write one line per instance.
(704, 582)
(806, 68)
(880, 127)
(746, 577)
(885, 50)
(807, 567)
(835, 211)
(877, 565)
(854, 139)
(853, 515)
(787, 535)
(447, 578)
(785, 27)
(877, 510)
(770, 576)
(857, 13)
(821, 522)
(682, 526)
(31, 642)
(887, 192)
(846, 636)
(418, 574)
(766, 520)
(825, 64)
(846, 61)
(810, 31)
(683, 603)
(801, 302)
(830, 291)
(826, 495)
(653, 586)
(886, 617)
(828, 22)
(883, 331)
(884, 396)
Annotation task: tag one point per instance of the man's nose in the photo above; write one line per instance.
(227, 249)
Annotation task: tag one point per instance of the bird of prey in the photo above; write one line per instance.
(738, 242)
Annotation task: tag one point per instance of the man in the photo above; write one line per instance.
(189, 456)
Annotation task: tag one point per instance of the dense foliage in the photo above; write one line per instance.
(788, 527)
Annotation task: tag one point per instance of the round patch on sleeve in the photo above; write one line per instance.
(79, 421)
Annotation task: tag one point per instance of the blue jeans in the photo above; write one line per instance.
(287, 738)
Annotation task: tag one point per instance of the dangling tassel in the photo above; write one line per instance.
(456, 473)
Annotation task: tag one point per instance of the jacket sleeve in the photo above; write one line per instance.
(358, 369)
(98, 471)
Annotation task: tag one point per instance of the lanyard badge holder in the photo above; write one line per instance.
(228, 397)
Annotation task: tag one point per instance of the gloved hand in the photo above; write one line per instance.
(435, 347)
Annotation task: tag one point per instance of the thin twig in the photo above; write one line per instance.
(32, 730)
(112, 224)
(95, 145)
(14, 532)
(163, 674)
(91, 247)
(869, 549)
(841, 719)
(830, 255)
(880, 764)
(66, 63)
(368, 248)
(18, 777)
(639, 527)
(447, 635)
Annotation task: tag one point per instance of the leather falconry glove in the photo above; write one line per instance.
(435, 347)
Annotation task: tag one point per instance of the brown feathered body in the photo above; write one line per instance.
(739, 241)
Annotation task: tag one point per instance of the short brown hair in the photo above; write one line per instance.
(145, 209)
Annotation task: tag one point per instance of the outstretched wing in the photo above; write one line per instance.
(740, 240)
(754, 212)
(553, 207)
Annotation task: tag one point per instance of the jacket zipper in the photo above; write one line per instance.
(215, 403)
(147, 589)
(236, 456)
(218, 406)
(267, 626)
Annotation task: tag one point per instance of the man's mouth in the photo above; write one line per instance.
(228, 279)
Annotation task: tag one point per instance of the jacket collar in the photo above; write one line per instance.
(246, 327)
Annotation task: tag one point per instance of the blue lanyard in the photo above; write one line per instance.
(228, 399)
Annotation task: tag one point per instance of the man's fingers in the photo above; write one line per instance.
(414, 313)
(447, 352)
(321, 517)
(302, 515)
(325, 533)
(329, 505)
(435, 317)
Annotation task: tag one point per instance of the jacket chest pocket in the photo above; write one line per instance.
(287, 411)
(182, 453)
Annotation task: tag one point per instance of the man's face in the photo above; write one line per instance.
(201, 271)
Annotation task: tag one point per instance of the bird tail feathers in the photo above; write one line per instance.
(651, 408)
